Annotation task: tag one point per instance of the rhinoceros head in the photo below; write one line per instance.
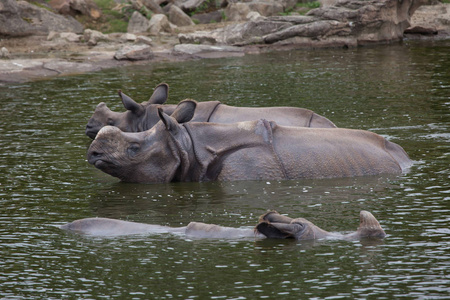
(145, 157)
(131, 120)
(274, 225)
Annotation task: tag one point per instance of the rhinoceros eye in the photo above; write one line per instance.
(110, 122)
(133, 149)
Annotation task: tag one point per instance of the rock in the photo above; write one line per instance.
(62, 7)
(239, 11)
(134, 52)
(346, 23)
(210, 17)
(253, 16)
(208, 51)
(200, 5)
(92, 37)
(316, 30)
(70, 37)
(266, 8)
(140, 39)
(289, 4)
(153, 6)
(4, 53)
(294, 20)
(421, 30)
(159, 23)
(196, 49)
(146, 7)
(436, 16)
(138, 23)
(178, 17)
(128, 37)
(86, 8)
(20, 18)
(237, 34)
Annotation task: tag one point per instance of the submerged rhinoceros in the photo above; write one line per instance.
(271, 225)
(141, 117)
(174, 150)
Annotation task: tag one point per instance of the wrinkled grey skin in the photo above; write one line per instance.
(271, 225)
(255, 150)
(274, 225)
(141, 117)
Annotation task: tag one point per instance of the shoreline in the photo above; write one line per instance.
(47, 62)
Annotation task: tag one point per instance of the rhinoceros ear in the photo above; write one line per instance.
(184, 111)
(160, 94)
(170, 123)
(131, 105)
(182, 114)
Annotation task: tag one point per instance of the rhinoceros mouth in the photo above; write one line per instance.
(91, 133)
(101, 164)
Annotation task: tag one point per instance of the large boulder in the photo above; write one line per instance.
(20, 18)
(178, 17)
(138, 23)
(346, 23)
(431, 20)
(237, 34)
(134, 52)
(159, 23)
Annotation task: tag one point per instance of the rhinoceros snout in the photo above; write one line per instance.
(94, 156)
(91, 132)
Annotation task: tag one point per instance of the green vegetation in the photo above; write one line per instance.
(28, 20)
(310, 5)
(41, 5)
(114, 17)
(301, 8)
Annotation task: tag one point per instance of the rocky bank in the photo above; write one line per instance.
(42, 42)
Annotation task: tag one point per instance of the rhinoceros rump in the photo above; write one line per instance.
(252, 150)
(141, 117)
(271, 225)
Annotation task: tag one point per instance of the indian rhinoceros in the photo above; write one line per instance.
(141, 117)
(271, 225)
(178, 150)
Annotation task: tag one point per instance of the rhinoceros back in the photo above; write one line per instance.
(323, 153)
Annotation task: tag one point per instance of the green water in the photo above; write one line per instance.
(399, 91)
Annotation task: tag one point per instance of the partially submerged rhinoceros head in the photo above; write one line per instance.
(132, 120)
(274, 225)
(147, 156)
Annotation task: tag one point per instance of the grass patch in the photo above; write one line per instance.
(114, 18)
(310, 5)
(301, 8)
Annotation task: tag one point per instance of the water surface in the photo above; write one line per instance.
(399, 91)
